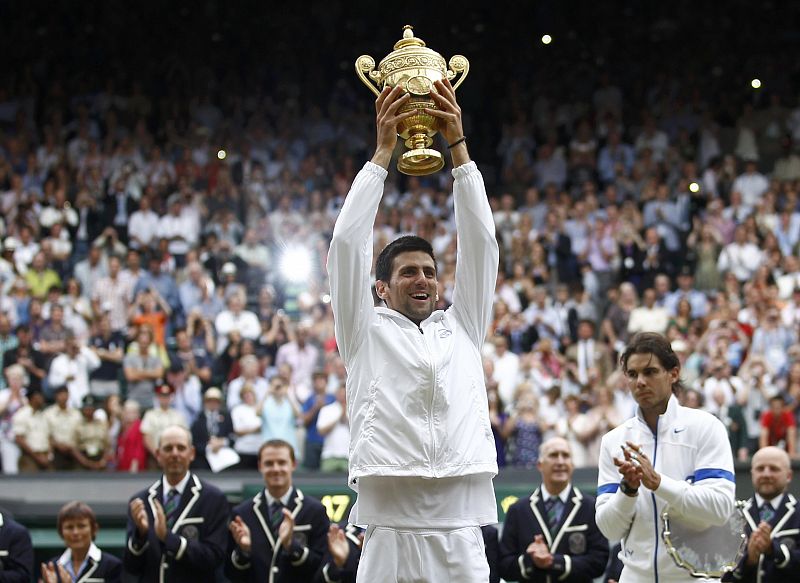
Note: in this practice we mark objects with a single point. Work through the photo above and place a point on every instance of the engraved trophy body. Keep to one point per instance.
(414, 67)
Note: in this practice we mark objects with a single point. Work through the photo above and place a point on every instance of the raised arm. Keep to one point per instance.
(350, 256)
(477, 256)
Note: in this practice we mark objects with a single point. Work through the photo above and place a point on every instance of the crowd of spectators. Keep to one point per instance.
(144, 278)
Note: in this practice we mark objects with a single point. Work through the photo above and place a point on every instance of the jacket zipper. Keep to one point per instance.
(430, 410)
(655, 506)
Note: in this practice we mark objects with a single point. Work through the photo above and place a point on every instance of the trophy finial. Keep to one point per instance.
(408, 40)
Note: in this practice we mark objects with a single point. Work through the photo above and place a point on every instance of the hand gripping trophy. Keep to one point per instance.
(415, 68)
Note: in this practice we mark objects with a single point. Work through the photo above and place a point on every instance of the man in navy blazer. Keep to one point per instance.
(552, 535)
(16, 552)
(773, 522)
(279, 535)
(176, 527)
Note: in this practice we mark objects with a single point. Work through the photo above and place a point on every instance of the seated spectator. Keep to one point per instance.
(213, 428)
(131, 452)
(77, 527)
(32, 434)
(334, 426)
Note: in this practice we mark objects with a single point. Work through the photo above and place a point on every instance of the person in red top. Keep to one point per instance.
(131, 452)
(778, 426)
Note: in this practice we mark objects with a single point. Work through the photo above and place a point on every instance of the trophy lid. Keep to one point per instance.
(408, 40)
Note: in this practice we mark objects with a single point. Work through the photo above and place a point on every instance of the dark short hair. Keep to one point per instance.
(276, 443)
(657, 345)
(75, 511)
(405, 244)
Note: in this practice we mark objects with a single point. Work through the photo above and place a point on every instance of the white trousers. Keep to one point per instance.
(407, 555)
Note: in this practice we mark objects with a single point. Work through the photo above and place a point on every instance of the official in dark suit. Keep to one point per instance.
(176, 527)
(492, 547)
(280, 535)
(340, 563)
(16, 552)
(213, 427)
(773, 523)
(552, 535)
(83, 561)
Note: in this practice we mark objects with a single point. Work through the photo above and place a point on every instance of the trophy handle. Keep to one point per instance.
(366, 64)
(458, 64)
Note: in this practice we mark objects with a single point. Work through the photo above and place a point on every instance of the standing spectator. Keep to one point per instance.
(524, 426)
(588, 360)
(83, 560)
(178, 229)
(62, 421)
(304, 359)
(150, 309)
(29, 358)
(40, 277)
(751, 183)
(281, 534)
(311, 408)
(113, 294)
(72, 368)
(143, 226)
(247, 422)
(92, 443)
(236, 319)
(17, 551)
(778, 426)
(535, 544)
(334, 427)
(648, 317)
(279, 413)
(109, 346)
(506, 368)
(213, 428)
(131, 450)
(90, 270)
(179, 522)
(143, 367)
(12, 399)
(249, 375)
(32, 434)
(160, 417)
(188, 397)
(8, 341)
(741, 257)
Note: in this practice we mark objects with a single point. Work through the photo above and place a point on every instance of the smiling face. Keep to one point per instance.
(78, 533)
(277, 466)
(771, 472)
(412, 288)
(175, 453)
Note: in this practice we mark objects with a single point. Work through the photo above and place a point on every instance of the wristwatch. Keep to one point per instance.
(627, 489)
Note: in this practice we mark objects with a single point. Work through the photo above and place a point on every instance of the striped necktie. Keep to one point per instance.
(767, 512)
(275, 516)
(171, 506)
(553, 506)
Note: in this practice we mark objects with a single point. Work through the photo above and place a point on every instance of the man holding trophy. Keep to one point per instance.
(667, 457)
(422, 455)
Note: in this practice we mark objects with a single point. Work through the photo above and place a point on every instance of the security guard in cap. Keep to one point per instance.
(92, 444)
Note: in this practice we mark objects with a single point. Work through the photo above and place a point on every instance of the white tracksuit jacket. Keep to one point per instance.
(416, 400)
(691, 451)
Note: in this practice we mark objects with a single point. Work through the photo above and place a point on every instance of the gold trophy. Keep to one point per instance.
(415, 68)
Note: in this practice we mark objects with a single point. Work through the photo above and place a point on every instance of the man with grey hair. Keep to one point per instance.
(177, 528)
(552, 533)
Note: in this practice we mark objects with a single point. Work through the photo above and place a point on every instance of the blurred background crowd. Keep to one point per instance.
(169, 179)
